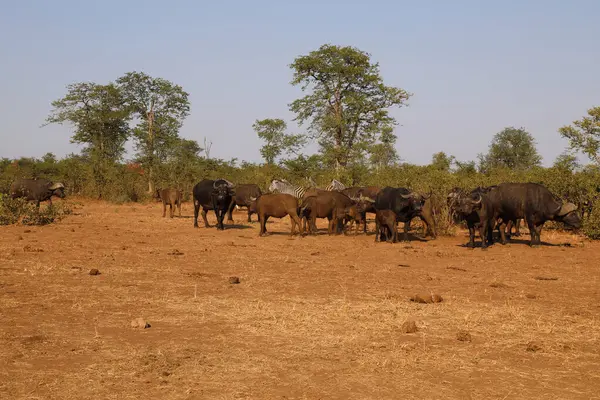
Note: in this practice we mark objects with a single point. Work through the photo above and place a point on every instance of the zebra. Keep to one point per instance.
(283, 186)
(335, 185)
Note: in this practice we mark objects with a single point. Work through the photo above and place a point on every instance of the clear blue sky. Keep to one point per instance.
(474, 67)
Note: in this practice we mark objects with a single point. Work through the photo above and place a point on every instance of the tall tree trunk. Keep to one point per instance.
(150, 154)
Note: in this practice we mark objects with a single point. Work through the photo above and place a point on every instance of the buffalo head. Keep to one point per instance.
(58, 189)
(466, 205)
(223, 188)
(416, 200)
(567, 214)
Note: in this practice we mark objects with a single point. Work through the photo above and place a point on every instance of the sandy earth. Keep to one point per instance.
(312, 318)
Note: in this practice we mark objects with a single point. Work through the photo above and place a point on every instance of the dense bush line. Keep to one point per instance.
(127, 182)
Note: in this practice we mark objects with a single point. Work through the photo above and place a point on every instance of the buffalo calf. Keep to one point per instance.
(385, 226)
(172, 197)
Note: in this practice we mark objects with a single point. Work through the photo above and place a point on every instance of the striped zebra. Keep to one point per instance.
(335, 185)
(283, 186)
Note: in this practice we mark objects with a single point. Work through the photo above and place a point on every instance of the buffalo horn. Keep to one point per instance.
(57, 185)
(479, 199)
(566, 208)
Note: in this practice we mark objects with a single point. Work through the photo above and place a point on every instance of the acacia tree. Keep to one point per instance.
(101, 121)
(584, 134)
(160, 107)
(348, 103)
(272, 131)
(511, 148)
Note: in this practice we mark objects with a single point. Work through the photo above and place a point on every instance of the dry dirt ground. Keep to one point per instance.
(312, 318)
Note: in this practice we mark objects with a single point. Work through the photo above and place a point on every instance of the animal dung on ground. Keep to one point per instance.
(94, 271)
(409, 326)
(234, 280)
(545, 278)
(175, 253)
(533, 346)
(426, 298)
(531, 296)
(463, 336)
(140, 323)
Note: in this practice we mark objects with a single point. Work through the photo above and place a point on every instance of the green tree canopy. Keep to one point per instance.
(347, 105)
(584, 134)
(442, 161)
(101, 121)
(511, 148)
(160, 106)
(272, 131)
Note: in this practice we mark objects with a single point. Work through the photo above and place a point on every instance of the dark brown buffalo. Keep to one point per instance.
(365, 196)
(334, 206)
(529, 201)
(37, 190)
(407, 205)
(386, 226)
(171, 196)
(244, 193)
(276, 205)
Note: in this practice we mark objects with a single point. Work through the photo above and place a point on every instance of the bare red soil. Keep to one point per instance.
(326, 317)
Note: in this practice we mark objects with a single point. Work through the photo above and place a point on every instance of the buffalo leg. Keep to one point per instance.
(295, 222)
(406, 228)
(220, 217)
(538, 234)
(206, 224)
(179, 207)
(377, 230)
(471, 236)
(249, 214)
(263, 224)
(393, 232)
(230, 211)
(364, 217)
(532, 232)
(483, 233)
(196, 211)
(330, 226)
(164, 209)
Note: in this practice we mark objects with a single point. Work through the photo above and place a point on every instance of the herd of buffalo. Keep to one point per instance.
(484, 208)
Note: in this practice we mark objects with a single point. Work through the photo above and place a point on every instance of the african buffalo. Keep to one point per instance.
(171, 196)
(365, 196)
(334, 206)
(243, 194)
(276, 205)
(407, 205)
(474, 208)
(530, 201)
(386, 226)
(37, 190)
(212, 195)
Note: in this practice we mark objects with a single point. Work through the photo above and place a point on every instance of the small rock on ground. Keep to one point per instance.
(409, 326)
(463, 336)
(140, 323)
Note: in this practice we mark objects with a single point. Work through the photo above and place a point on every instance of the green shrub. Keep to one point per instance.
(591, 225)
(14, 210)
